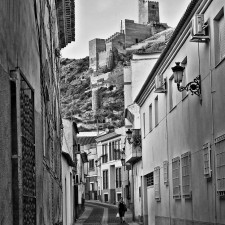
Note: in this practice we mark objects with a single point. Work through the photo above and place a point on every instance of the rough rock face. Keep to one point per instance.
(76, 96)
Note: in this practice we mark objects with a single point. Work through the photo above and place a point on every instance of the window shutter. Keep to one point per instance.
(220, 165)
(207, 160)
(176, 177)
(222, 37)
(157, 183)
(165, 172)
(186, 174)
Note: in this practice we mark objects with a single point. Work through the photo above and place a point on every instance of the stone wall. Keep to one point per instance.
(135, 32)
(102, 59)
(95, 46)
(148, 12)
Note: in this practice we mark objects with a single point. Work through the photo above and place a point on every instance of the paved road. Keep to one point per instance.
(97, 213)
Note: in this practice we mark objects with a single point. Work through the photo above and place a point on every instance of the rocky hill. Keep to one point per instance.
(76, 96)
(75, 85)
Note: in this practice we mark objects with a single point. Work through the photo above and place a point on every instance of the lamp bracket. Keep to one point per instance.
(193, 86)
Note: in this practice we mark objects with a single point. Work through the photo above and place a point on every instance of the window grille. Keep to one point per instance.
(207, 160)
(149, 179)
(176, 177)
(220, 165)
(28, 153)
(157, 183)
(166, 172)
(186, 174)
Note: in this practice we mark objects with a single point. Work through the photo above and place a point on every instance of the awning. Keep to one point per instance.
(68, 159)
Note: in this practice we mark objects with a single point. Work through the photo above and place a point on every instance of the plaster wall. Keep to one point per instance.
(135, 32)
(141, 66)
(186, 127)
(68, 193)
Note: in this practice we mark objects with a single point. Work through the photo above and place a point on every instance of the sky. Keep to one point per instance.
(101, 19)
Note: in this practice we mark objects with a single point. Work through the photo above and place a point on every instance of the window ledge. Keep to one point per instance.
(220, 62)
(172, 109)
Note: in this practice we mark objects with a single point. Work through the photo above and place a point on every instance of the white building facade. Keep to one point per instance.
(183, 134)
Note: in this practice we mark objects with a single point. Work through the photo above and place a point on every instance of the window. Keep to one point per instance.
(106, 198)
(172, 92)
(110, 151)
(92, 187)
(176, 177)
(219, 36)
(91, 164)
(105, 179)
(184, 81)
(220, 165)
(149, 179)
(165, 172)
(157, 183)
(207, 160)
(118, 178)
(144, 123)
(186, 174)
(117, 150)
(156, 111)
(119, 195)
(150, 117)
(104, 154)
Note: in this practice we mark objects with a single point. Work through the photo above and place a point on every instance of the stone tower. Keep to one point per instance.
(148, 11)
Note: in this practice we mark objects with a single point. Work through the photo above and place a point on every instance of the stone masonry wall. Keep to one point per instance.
(135, 32)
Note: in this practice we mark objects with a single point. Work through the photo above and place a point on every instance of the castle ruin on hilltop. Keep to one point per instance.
(102, 51)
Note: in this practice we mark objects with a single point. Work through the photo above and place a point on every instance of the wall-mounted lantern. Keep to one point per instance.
(193, 86)
(123, 157)
(129, 136)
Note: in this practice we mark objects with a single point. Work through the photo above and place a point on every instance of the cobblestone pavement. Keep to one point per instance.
(97, 213)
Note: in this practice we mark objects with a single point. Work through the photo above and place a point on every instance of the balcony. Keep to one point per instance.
(134, 152)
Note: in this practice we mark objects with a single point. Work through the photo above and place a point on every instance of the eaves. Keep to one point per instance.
(182, 25)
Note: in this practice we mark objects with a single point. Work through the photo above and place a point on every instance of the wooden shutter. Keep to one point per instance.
(176, 177)
(186, 174)
(157, 183)
(220, 165)
(207, 160)
(165, 172)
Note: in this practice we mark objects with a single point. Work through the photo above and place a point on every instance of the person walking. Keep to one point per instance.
(122, 209)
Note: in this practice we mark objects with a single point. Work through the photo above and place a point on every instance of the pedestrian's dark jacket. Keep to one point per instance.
(122, 208)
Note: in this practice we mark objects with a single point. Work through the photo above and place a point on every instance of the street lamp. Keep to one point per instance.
(129, 136)
(193, 86)
(123, 157)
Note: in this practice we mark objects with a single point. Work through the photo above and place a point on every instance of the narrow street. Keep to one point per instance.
(97, 213)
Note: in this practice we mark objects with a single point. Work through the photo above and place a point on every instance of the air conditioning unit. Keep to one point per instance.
(199, 28)
(160, 84)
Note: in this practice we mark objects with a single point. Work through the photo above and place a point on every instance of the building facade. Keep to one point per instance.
(69, 171)
(183, 131)
(30, 133)
(111, 173)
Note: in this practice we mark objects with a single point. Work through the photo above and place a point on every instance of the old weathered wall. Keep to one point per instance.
(102, 59)
(95, 46)
(148, 11)
(20, 47)
(135, 32)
